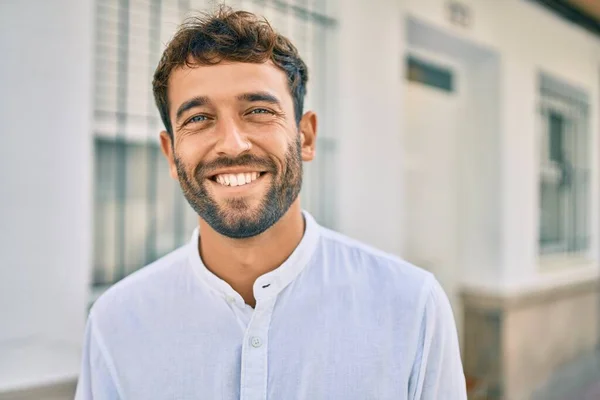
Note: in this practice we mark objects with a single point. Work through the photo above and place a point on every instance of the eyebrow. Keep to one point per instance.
(198, 101)
(259, 96)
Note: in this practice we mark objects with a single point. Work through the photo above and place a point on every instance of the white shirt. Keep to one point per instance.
(337, 320)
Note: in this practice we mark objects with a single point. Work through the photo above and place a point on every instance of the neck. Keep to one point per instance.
(239, 262)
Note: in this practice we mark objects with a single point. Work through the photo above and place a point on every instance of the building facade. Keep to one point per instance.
(460, 135)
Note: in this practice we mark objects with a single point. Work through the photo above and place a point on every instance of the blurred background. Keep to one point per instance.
(461, 135)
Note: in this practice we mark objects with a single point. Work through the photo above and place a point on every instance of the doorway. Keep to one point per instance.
(451, 159)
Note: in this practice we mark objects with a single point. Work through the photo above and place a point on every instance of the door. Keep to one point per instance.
(434, 115)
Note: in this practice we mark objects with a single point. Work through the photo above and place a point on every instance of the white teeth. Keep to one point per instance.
(237, 179)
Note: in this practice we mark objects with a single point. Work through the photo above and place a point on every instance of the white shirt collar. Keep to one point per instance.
(271, 283)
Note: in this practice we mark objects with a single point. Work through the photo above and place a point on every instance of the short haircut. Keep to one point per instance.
(234, 36)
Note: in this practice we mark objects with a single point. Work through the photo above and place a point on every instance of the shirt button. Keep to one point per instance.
(256, 342)
(230, 299)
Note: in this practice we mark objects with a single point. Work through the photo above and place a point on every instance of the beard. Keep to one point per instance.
(235, 218)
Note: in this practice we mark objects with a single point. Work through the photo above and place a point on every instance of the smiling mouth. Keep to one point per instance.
(239, 179)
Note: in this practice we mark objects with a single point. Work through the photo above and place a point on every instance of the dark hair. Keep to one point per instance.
(228, 35)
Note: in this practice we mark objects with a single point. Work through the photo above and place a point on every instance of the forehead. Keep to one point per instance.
(225, 81)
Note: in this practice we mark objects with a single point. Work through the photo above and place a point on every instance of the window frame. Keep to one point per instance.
(572, 104)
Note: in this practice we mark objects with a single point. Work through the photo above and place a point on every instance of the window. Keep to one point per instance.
(564, 168)
(140, 213)
(428, 74)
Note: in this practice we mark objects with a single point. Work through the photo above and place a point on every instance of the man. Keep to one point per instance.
(263, 303)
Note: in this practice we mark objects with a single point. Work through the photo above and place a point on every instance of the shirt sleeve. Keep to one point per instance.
(96, 378)
(438, 372)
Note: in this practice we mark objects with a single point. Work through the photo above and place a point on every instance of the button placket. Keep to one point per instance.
(253, 385)
(265, 288)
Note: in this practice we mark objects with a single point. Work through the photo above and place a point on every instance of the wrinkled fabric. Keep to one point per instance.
(337, 320)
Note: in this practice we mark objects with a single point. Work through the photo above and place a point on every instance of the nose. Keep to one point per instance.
(232, 142)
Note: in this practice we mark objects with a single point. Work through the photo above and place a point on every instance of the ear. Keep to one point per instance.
(308, 135)
(166, 145)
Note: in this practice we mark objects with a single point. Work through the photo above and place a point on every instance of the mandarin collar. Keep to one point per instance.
(266, 285)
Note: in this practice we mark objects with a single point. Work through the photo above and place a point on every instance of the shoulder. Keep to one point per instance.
(375, 269)
(142, 287)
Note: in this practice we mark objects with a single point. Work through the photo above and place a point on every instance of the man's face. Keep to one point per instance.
(237, 150)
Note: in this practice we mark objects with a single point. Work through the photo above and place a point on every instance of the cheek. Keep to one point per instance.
(277, 147)
(190, 154)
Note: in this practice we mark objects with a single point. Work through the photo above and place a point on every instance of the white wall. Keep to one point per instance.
(559, 48)
(480, 169)
(45, 176)
(571, 55)
(368, 83)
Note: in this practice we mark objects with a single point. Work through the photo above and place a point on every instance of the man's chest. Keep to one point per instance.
(301, 369)
(317, 356)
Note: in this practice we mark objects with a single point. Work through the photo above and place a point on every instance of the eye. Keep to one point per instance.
(261, 111)
(197, 118)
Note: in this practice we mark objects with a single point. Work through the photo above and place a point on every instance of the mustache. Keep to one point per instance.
(245, 160)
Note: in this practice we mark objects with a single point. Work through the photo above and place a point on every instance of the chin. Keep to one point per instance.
(235, 209)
